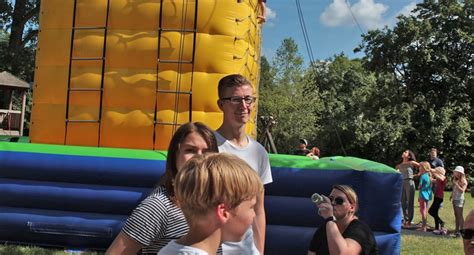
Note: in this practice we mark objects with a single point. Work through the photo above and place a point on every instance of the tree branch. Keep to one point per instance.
(29, 36)
(30, 14)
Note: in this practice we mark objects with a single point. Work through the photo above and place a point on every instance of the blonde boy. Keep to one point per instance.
(217, 194)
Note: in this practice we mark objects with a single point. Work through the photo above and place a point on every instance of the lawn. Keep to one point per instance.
(412, 241)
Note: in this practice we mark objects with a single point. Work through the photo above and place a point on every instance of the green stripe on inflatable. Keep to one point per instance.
(333, 163)
(276, 160)
(82, 151)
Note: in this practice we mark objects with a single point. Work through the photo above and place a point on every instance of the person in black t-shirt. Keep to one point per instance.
(342, 232)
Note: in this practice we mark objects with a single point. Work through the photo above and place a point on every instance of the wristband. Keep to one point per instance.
(330, 218)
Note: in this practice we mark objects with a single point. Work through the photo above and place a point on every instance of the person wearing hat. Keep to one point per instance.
(302, 150)
(440, 182)
(457, 196)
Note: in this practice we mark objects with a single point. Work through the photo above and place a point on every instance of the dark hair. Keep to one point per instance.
(411, 156)
(231, 81)
(197, 127)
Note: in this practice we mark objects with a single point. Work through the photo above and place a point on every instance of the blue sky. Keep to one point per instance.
(330, 24)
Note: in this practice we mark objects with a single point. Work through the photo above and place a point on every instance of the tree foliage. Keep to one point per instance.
(412, 90)
(19, 23)
(283, 98)
(430, 55)
(18, 41)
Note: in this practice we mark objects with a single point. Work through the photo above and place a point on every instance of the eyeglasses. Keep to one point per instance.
(238, 100)
(467, 233)
(337, 200)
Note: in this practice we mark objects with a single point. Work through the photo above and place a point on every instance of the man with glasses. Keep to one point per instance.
(237, 101)
(467, 234)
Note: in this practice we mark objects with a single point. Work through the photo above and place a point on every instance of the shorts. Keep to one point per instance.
(458, 203)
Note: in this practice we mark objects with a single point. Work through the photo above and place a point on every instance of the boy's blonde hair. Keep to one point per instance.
(211, 179)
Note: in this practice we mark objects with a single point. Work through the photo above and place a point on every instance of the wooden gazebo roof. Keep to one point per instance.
(9, 80)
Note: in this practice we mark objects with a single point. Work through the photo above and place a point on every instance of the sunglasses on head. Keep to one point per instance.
(337, 200)
(467, 233)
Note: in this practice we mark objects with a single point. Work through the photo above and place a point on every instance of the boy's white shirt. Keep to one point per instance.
(174, 248)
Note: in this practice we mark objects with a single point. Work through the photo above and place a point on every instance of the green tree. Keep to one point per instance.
(429, 55)
(19, 20)
(357, 117)
(18, 41)
(282, 97)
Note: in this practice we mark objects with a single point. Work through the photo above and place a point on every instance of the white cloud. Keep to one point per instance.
(270, 17)
(271, 14)
(368, 14)
(336, 14)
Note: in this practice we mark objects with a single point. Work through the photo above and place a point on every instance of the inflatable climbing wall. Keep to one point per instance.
(121, 73)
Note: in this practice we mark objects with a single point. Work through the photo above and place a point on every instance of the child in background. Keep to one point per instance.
(314, 154)
(459, 187)
(217, 194)
(440, 182)
(425, 192)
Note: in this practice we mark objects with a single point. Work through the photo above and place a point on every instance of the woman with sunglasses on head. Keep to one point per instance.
(342, 232)
(407, 168)
(157, 219)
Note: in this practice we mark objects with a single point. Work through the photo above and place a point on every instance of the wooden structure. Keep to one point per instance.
(11, 121)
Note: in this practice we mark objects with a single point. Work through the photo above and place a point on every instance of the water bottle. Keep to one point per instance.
(316, 198)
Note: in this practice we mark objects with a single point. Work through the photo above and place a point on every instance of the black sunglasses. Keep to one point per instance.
(467, 233)
(337, 200)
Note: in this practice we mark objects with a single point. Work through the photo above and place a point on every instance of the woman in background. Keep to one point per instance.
(406, 168)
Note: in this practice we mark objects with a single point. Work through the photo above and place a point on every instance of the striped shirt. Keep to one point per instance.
(155, 222)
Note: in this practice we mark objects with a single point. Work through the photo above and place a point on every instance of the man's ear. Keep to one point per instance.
(220, 104)
(223, 213)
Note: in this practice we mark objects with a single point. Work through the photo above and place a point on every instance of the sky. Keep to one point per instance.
(331, 25)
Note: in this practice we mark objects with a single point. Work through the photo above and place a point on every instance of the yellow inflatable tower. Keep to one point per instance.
(127, 73)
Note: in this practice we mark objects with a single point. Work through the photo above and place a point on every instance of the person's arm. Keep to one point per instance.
(263, 12)
(422, 181)
(123, 244)
(259, 224)
(415, 164)
(463, 185)
(311, 253)
(338, 244)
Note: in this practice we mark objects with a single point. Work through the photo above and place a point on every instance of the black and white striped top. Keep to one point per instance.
(155, 222)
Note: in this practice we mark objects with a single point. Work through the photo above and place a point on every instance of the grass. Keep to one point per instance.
(412, 241)
(32, 250)
(431, 244)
